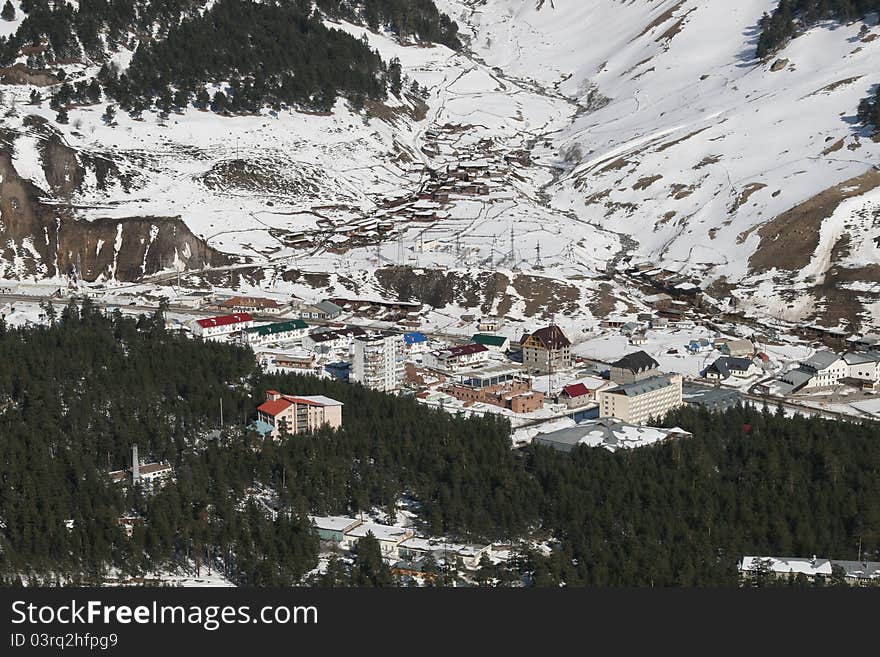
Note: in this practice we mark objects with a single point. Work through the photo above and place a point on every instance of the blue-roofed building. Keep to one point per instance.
(339, 370)
(261, 427)
(415, 342)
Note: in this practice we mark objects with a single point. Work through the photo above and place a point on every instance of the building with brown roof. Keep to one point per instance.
(546, 349)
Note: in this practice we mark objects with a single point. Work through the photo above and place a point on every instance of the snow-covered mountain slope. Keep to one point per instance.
(604, 129)
(701, 150)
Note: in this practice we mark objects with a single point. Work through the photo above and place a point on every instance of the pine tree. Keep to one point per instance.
(8, 12)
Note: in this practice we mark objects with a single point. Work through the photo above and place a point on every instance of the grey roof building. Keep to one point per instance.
(610, 433)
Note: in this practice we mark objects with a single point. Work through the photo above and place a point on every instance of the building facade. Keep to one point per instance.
(642, 400)
(214, 327)
(634, 367)
(546, 350)
(251, 305)
(378, 361)
(456, 358)
(295, 329)
(287, 414)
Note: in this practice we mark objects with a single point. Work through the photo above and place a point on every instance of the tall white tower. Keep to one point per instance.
(135, 465)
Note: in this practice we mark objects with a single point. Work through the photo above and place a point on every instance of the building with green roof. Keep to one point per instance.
(494, 342)
(293, 329)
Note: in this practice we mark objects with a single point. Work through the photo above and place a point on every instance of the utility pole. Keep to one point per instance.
(538, 255)
(512, 251)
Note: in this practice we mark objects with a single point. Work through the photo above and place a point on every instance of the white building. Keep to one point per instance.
(825, 369)
(289, 331)
(378, 361)
(214, 327)
(456, 358)
(864, 367)
(389, 537)
(323, 341)
(638, 402)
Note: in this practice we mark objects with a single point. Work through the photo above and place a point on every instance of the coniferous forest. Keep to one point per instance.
(793, 16)
(75, 395)
(263, 53)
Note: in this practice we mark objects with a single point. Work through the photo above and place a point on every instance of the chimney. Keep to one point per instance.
(273, 395)
(135, 465)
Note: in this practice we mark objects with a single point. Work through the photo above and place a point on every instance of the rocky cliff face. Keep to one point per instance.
(40, 234)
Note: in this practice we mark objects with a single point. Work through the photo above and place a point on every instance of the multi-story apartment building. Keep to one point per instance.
(213, 327)
(634, 367)
(295, 329)
(642, 400)
(287, 414)
(378, 361)
(251, 305)
(546, 350)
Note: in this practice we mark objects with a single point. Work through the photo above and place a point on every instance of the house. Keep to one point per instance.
(630, 327)
(642, 400)
(737, 348)
(489, 324)
(863, 369)
(634, 367)
(325, 340)
(576, 395)
(152, 473)
(493, 342)
(455, 358)
(415, 343)
(546, 349)
(296, 360)
(389, 537)
(825, 369)
(608, 433)
(378, 361)
(638, 339)
(324, 310)
(294, 329)
(251, 305)
(214, 327)
(699, 346)
(726, 366)
(128, 523)
(333, 528)
(286, 414)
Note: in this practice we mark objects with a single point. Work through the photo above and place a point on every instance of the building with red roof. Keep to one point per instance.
(290, 414)
(212, 327)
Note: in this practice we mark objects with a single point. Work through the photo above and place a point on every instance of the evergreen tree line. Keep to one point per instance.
(869, 110)
(270, 53)
(75, 395)
(793, 16)
(749, 482)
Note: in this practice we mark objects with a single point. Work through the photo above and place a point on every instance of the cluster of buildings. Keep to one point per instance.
(642, 392)
(857, 573)
(827, 369)
(148, 474)
(399, 546)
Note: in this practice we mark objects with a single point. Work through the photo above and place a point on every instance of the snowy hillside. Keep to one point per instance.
(700, 147)
(602, 129)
